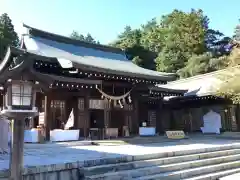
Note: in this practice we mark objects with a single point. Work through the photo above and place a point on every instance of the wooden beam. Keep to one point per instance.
(135, 120)
(107, 116)
(16, 158)
(47, 123)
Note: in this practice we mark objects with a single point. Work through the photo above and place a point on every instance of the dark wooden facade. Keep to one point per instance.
(60, 102)
(187, 113)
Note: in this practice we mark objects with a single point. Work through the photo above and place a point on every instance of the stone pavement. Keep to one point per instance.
(59, 153)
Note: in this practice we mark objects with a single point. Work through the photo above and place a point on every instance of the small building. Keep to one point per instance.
(187, 112)
(94, 86)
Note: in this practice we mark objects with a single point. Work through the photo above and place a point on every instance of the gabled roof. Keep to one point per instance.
(87, 56)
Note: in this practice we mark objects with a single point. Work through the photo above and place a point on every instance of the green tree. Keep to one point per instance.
(201, 64)
(8, 37)
(142, 57)
(191, 47)
(184, 36)
(128, 38)
(152, 36)
(88, 38)
(230, 86)
(179, 41)
(77, 36)
(130, 41)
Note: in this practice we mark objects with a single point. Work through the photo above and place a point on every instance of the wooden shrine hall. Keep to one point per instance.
(87, 87)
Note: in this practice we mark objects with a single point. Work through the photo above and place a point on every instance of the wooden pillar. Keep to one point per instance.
(2, 100)
(159, 126)
(128, 108)
(81, 115)
(107, 114)
(232, 112)
(16, 158)
(228, 118)
(86, 115)
(47, 120)
(238, 116)
(128, 114)
(75, 111)
(135, 120)
(107, 117)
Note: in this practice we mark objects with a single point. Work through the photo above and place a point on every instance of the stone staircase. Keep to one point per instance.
(198, 164)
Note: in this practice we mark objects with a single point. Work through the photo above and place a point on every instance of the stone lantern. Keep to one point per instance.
(19, 100)
(19, 104)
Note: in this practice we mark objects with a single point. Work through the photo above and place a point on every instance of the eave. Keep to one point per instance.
(25, 69)
(155, 90)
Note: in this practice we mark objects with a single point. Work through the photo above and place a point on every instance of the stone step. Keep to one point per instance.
(169, 153)
(188, 173)
(217, 175)
(235, 175)
(156, 169)
(155, 162)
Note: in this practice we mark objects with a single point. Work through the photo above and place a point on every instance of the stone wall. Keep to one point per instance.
(66, 171)
(52, 172)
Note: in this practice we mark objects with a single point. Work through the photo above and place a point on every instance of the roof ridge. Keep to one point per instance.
(64, 39)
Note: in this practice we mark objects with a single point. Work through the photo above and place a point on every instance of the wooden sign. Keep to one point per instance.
(175, 134)
(96, 104)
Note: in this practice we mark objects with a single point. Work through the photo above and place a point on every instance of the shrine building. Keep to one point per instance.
(96, 85)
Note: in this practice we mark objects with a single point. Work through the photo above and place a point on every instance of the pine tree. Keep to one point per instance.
(8, 36)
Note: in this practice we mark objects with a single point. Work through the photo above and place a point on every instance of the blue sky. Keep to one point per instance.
(105, 19)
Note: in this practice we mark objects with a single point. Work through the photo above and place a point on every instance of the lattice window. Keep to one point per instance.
(81, 104)
(130, 107)
(58, 111)
(21, 94)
